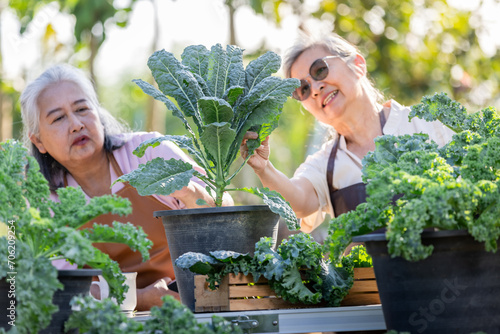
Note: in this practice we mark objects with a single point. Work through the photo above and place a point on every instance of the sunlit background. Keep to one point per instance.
(412, 47)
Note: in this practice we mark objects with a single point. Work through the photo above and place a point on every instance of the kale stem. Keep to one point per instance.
(238, 170)
(208, 181)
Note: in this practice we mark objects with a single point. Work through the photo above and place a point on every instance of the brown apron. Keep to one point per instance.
(160, 264)
(346, 199)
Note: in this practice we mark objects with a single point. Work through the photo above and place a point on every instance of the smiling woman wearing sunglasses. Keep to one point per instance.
(336, 90)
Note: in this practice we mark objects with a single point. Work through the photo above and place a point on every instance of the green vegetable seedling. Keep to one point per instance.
(218, 101)
(38, 230)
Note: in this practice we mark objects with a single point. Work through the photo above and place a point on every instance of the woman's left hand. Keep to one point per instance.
(151, 295)
(194, 191)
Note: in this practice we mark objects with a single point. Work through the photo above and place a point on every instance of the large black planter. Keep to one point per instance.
(455, 290)
(235, 228)
(75, 282)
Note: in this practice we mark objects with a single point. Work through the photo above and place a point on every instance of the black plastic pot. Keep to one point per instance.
(235, 228)
(455, 290)
(75, 282)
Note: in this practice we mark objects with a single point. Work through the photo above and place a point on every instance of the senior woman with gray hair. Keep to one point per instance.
(78, 143)
(336, 90)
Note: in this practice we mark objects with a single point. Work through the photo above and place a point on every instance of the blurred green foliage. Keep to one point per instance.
(413, 48)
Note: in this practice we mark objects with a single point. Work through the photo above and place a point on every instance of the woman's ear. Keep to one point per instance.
(360, 65)
(38, 143)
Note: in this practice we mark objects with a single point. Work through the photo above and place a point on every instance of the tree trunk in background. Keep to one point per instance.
(232, 31)
(155, 118)
(94, 49)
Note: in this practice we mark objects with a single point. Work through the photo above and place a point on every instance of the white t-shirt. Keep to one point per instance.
(348, 166)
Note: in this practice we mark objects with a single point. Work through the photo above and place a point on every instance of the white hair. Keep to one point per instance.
(53, 75)
(30, 112)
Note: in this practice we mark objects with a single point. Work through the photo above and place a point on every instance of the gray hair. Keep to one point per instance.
(337, 46)
(31, 115)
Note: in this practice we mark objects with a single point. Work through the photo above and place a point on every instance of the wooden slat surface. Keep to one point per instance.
(364, 286)
(236, 291)
(354, 299)
(259, 304)
(207, 300)
(242, 279)
(364, 273)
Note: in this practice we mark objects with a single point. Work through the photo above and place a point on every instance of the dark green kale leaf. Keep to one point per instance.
(360, 258)
(364, 219)
(414, 185)
(32, 315)
(486, 227)
(270, 262)
(175, 318)
(96, 317)
(456, 149)
(234, 262)
(47, 230)
(212, 90)
(197, 263)
(482, 161)
(296, 271)
(337, 280)
(73, 210)
(299, 252)
(441, 107)
(277, 204)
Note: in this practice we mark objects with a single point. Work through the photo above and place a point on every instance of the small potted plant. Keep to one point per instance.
(433, 281)
(218, 101)
(37, 230)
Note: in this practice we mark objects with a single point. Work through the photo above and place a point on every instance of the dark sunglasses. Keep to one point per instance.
(318, 71)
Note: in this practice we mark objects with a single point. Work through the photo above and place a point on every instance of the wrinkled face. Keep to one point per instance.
(70, 128)
(329, 97)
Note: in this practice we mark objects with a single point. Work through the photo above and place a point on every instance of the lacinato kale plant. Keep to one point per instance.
(412, 184)
(218, 101)
(39, 230)
(298, 271)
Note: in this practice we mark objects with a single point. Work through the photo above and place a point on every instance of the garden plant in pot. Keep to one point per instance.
(36, 230)
(433, 281)
(217, 100)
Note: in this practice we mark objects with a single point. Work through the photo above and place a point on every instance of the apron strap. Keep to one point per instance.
(331, 165)
(353, 194)
(114, 164)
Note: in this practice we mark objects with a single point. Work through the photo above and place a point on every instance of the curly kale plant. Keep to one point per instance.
(38, 230)
(170, 318)
(297, 271)
(218, 101)
(412, 184)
